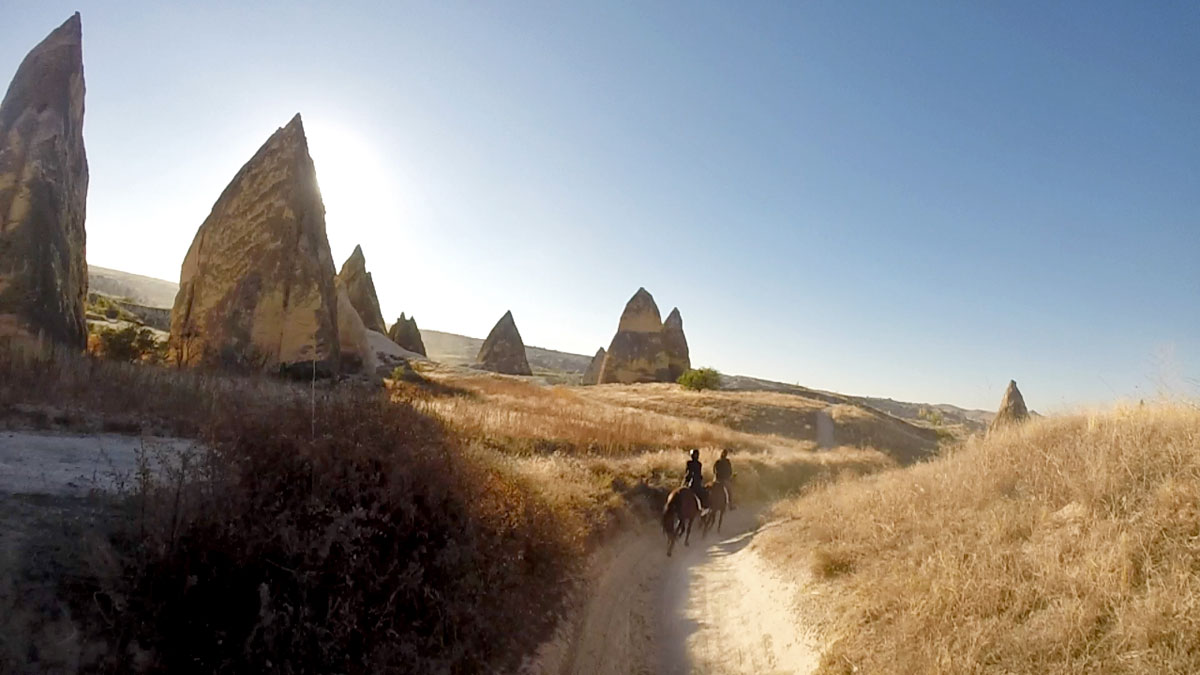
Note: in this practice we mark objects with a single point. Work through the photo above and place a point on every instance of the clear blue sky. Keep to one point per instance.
(910, 199)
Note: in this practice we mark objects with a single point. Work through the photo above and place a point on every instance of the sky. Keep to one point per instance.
(916, 200)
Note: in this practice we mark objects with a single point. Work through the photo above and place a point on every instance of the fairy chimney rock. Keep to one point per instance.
(1012, 408)
(638, 352)
(360, 288)
(679, 362)
(355, 354)
(592, 374)
(43, 195)
(406, 334)
(257, 290)
(503, 351)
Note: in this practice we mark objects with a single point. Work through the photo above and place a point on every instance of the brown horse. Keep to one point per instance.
(718, 502)
(682, 508)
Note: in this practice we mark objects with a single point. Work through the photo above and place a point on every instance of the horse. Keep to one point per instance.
(683, 505)
(718, 502)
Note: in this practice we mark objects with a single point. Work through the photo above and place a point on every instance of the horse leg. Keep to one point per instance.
(688, 538)
(720, 520)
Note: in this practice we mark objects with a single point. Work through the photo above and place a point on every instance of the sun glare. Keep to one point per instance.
(353, 180)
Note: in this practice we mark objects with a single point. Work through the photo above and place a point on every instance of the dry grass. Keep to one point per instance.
(1065, 545)
(523, 418)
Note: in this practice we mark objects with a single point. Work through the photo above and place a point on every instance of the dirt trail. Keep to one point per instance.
(714, 607)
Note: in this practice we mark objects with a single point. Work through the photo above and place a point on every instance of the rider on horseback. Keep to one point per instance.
(694, 478)
(724, 473)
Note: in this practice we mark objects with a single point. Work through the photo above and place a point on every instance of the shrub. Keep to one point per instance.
(699, 379)
(130, 344)
(375, 544)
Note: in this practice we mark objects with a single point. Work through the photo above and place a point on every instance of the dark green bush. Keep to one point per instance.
(699, 379)
(130, 344)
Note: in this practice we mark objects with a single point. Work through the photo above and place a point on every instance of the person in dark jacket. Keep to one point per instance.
(724, 472)
(693, 477)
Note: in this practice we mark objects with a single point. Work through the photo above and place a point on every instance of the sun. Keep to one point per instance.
(353, 179)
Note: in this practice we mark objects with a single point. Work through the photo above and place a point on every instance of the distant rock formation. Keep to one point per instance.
(503, 351)
(639, 352)
(43, 195)
(679, 362)
(1012, 408)
(361, 290)
(406, 334)
(592, 374)
(257, 290)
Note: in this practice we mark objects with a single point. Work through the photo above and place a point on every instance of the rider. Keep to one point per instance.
(724, 472)
(694, 478)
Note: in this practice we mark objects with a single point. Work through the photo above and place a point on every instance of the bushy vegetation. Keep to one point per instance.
(699, 379)
(1064, 545)
(377, 545)
(130, 344)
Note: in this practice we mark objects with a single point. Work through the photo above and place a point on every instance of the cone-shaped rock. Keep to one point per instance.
(1012, 408)
(406, 334)
(361, 289)
(592, 374)
(257, 286)
(356, 352)
(679, 362)
(43, 195)
(503, 351)
(638, 352)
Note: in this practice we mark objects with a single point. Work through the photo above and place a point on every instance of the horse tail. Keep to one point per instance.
(668, 517)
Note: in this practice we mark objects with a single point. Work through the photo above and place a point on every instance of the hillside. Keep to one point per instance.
(461, 350)
(1065, 545)
(142, 290)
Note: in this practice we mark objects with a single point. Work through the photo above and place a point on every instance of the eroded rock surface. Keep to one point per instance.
(1012, 408)
(406, 334)
(361, 289)
(43, 195)
(503, 351)
(678, 359)
(638, 352)
(256, 291)
(592, 374)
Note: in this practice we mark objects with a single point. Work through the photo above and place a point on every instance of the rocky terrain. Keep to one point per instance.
(503, 351)
(1012, 408)
(641, 350)
(257, 285)
(360, 289)
(43, 195)
(406, 334)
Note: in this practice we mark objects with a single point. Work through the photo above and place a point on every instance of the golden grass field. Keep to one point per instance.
(1066, 545)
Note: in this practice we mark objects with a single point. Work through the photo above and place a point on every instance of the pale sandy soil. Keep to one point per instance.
(74, 464)
(712, 608)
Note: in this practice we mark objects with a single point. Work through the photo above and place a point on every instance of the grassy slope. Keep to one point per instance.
(1066, 545)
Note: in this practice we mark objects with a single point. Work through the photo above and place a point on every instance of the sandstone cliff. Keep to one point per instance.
(678, 360)
(360, 288)
(43, 195)
(1012, 408)
(406, 334)
(256, 290)
(592, 374)
(503, 351)
(638, 352)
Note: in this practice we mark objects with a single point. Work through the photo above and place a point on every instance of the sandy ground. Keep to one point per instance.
(71, 465)
(712, 608)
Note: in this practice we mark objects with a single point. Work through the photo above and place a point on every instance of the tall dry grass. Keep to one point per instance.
(523, 418)
(1066, 545)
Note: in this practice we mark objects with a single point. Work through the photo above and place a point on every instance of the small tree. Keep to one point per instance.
(699, 379)
(130, 344)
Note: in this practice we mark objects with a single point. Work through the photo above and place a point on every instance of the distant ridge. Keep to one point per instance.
(143, 290)
(461, 350)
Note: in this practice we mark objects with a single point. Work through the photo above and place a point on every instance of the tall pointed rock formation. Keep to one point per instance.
(638, 351)
(257, 290)
(678, 360)
(361, 290)
(503, 351)
(43, 195)
(1012, 408)
(406, 334)
(592, 374)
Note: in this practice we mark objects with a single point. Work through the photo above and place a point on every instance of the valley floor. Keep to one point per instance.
(714, 607)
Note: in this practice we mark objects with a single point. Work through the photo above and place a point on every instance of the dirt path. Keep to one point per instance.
(712, 608)
(63, 464)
